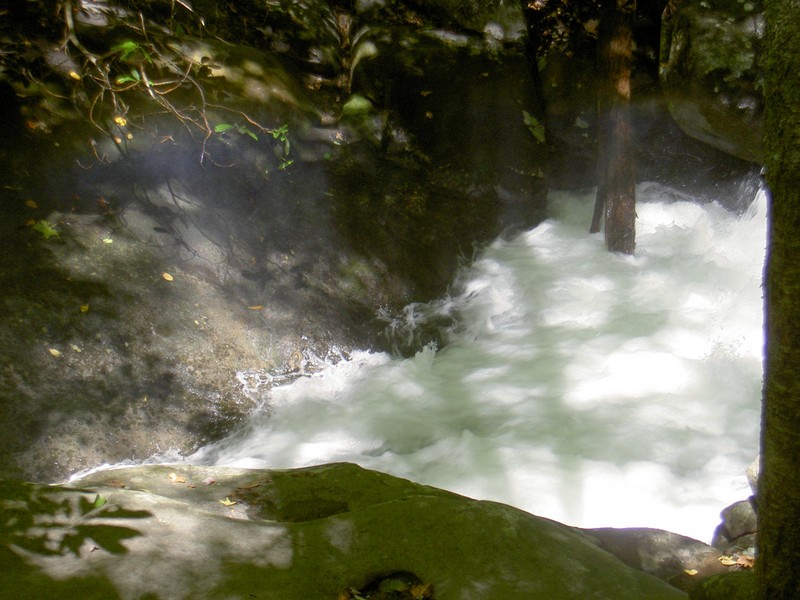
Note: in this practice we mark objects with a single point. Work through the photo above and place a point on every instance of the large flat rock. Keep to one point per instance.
(178, 532)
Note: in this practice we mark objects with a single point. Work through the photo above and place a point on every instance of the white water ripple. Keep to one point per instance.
(595, 389)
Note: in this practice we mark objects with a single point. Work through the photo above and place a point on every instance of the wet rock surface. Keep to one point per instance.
(680, 561)
(156, 284)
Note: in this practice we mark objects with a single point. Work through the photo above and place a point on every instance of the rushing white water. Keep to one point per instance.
(591, 388)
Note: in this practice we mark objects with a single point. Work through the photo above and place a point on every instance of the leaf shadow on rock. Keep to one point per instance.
(40, 524)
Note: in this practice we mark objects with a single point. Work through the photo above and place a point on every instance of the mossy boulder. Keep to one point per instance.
(209, 532)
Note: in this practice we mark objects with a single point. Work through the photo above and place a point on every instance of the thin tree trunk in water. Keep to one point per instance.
(616, 191)
(778, 559)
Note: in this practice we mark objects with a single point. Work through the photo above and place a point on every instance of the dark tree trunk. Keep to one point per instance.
(778, 560)
(616, 193)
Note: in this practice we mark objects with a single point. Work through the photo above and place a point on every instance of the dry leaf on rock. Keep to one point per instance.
(746, 561)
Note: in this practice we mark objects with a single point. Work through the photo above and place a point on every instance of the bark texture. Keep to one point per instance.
(779, 486)
(616, 193)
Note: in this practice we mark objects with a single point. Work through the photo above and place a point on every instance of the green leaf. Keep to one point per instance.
(129, 47)
(280, 133)
(100, 501)
(223, 127)
(134, 77)
(125, 49)
(45, 228)
(534, 126)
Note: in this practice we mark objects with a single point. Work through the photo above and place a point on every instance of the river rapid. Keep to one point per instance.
(595, 389)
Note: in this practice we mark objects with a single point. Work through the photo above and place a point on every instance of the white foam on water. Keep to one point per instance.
(595, 389)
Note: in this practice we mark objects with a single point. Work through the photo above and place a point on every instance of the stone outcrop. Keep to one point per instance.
(381, 168)
(180, 532)
(710, 73)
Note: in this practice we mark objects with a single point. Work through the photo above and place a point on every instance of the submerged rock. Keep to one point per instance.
(207, 532)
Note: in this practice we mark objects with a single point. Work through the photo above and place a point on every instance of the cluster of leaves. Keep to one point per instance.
(560, 26)
(46, 229)
(116, 83)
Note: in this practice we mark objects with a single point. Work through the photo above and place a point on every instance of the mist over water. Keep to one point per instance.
(591, 388)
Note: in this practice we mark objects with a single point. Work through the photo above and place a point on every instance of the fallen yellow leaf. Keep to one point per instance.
(256, 307)
(228, 502)
(175, 478)
(167, 276)
(75, 75)
(31, 204)
(726, 561)
(120, 120)
(690, 571)
(54, 352)
(84, 308)
(108, 241)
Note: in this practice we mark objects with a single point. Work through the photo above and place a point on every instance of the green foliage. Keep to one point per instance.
(128, 49)
(134, 77)
(46, 229)
(281, 135)
(534, 126)
(241, 129)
